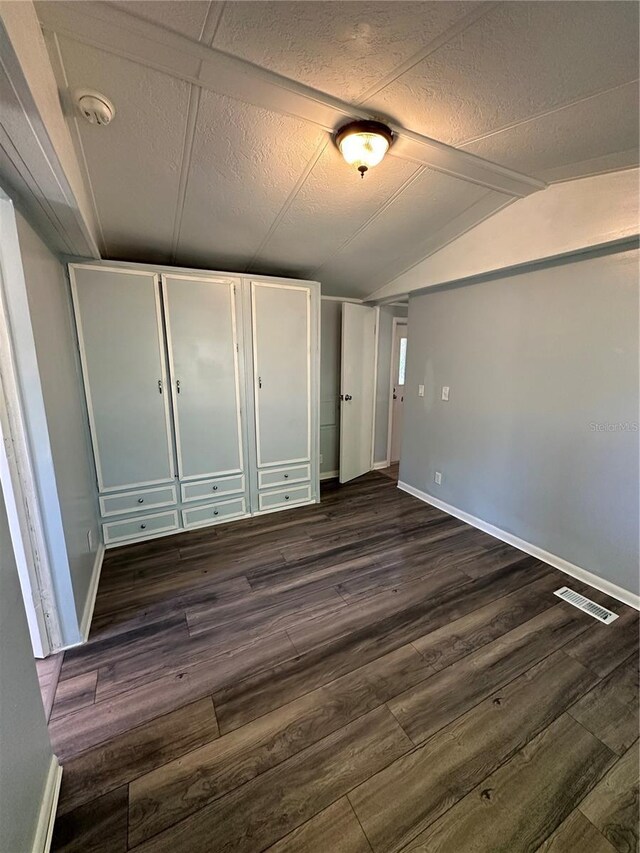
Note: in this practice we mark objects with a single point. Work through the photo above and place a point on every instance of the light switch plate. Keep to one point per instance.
(438, 478)
(445, 392)
(420, 390)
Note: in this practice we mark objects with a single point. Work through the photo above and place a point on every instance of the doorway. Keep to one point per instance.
(397, 389)
(18, 475)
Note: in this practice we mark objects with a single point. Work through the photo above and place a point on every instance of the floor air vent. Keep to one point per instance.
(586, 604)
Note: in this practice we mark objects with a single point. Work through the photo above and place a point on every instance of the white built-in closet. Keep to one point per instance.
(202, 393)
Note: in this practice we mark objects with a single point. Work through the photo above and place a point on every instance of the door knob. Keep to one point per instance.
(348, 397)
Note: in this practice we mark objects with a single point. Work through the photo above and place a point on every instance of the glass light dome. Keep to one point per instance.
(363, 144)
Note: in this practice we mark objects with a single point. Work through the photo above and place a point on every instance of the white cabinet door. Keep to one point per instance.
(120, 331)
(281, 321)
(357, 390)
(202, 334)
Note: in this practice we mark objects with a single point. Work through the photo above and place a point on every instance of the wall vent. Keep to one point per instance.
(590, 607)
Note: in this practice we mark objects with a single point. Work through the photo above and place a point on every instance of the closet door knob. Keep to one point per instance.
(286, 476)
(286, 497)
(143, 527)
(215, 512)
(140, 500)
(215, 488)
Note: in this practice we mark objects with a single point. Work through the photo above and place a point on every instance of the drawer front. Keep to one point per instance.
(141, 527)
(284, 476)
(137, 501)
(284, 497)
(213, 513)
(207, 489)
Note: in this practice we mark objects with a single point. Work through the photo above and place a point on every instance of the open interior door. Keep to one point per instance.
(357, 384)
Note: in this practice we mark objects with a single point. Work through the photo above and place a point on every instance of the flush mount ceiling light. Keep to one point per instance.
(363, 144)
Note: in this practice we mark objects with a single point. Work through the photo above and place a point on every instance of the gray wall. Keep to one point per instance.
(25, 752)
(51, 315)
(534, 362)
(330, 347)
(385, 344)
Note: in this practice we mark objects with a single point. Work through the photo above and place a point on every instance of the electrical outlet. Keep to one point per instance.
(420, 390)
(438, 478)
(445, 392)
(90, 539)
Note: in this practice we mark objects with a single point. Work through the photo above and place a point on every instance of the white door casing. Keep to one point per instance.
(357, 390)
(281, 330)
(27, 538)
(119, 321)
(201, 319)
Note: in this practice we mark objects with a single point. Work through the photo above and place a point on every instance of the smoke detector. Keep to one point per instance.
(95, 107)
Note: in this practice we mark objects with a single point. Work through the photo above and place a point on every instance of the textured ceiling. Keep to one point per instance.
(228, 164)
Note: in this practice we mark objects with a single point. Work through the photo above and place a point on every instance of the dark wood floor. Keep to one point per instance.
(364, 674)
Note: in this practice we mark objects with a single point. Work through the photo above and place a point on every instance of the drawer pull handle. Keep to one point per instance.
(215, 488)
(215, 512)
(143, 527)
(286, 497)
(140, 500)
(286, 476)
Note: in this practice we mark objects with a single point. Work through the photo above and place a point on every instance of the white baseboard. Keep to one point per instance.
(378, 465)
(48, 806)
(85, 625)
(560, 563)
(329, 475)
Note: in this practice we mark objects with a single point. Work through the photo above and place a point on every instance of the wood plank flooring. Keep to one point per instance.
(366, 675)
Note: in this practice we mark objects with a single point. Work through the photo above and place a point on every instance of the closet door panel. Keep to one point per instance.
(120, 329)
(202, 333)
(281, 317)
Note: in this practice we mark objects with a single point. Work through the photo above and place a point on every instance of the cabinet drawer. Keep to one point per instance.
(284, 497)
(213, 513)
(137, 501)
(284, 476)
(217, 488)
(141, 527)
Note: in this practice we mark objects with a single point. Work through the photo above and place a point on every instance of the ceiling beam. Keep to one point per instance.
(111, 29)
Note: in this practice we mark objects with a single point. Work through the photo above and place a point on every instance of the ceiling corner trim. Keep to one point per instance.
(38, 165)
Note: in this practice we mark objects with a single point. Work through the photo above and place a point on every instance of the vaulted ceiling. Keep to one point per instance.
(221, 155)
